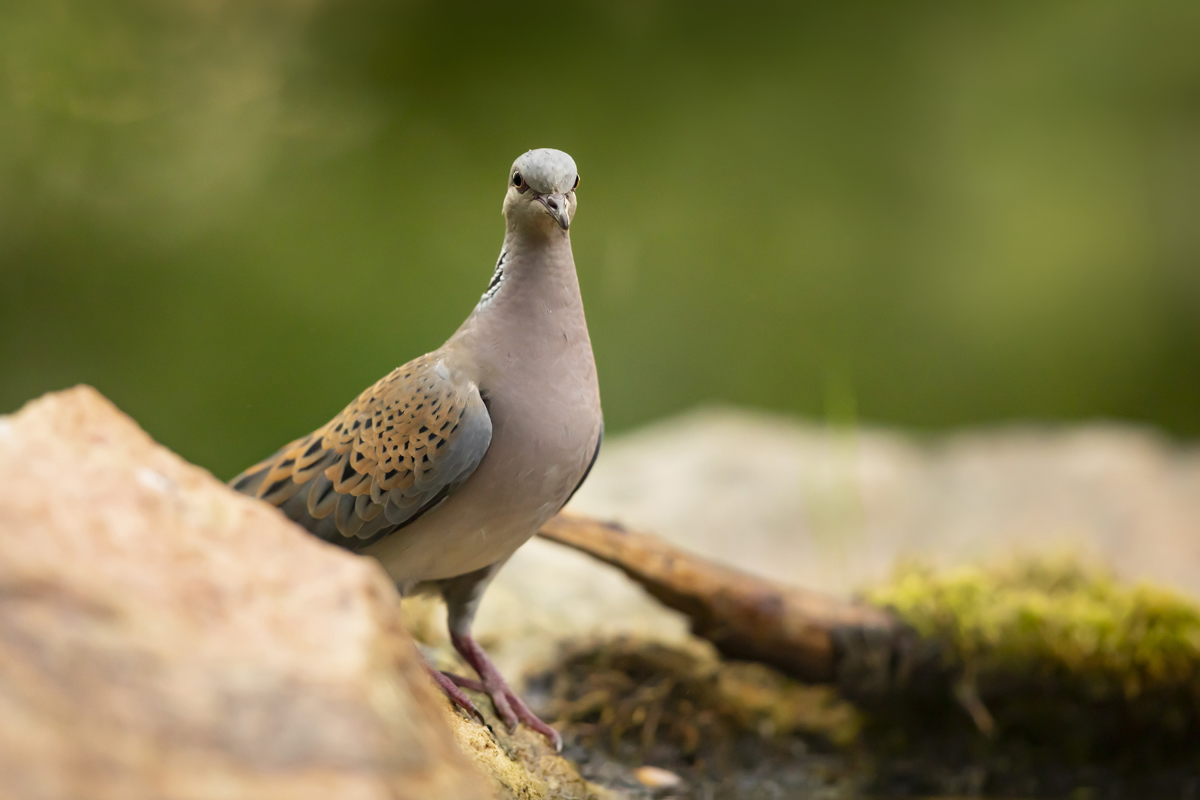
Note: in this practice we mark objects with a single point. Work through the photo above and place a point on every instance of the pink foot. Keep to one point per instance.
(447, 682)
(509, 707)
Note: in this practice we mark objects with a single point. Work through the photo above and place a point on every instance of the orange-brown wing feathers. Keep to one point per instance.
(402, 445)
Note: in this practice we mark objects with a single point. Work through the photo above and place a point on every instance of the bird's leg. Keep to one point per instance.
(509, 707)
(462, 595)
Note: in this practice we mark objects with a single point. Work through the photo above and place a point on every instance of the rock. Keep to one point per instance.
(836, 509)
(657, 778)
(161, 636)
(520, 765)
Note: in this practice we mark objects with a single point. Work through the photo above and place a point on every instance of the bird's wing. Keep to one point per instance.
(398, 450)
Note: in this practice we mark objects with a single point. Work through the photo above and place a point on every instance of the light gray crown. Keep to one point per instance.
(546, 171)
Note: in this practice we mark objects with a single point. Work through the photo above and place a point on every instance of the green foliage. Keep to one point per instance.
(231, 217)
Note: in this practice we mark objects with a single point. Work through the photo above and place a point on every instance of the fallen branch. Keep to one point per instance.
(862, 648)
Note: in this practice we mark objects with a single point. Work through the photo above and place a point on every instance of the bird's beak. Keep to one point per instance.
(558, 207)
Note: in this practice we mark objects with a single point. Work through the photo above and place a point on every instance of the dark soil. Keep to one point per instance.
(735, 731)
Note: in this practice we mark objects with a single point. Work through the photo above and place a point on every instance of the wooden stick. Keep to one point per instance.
(805, 634)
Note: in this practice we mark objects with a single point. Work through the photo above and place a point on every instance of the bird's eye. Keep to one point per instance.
(576, 186)
(518, 181)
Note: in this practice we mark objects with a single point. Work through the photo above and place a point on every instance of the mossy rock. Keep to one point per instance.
(1057, 655)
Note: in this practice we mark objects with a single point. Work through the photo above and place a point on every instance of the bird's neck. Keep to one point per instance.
(532, 304)
(533, 271)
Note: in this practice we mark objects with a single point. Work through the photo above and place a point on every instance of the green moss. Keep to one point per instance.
(1055, 655)
(1054, 617)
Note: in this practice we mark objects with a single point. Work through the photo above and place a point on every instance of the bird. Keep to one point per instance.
(449, 463)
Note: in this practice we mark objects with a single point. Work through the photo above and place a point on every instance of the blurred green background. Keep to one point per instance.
(230, 217)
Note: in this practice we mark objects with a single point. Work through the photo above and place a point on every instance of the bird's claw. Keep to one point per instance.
(509, 707)
(447, 683)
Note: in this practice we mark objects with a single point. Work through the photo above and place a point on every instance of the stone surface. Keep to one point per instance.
(832, 510)
(520, 765)
(835, 510)
(163, 637)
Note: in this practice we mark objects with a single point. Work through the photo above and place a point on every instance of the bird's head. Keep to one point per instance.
(541, 191)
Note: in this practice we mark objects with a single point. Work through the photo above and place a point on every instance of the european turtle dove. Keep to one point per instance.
(447, 465)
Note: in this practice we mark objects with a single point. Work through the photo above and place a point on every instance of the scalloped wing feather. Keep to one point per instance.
(400, 448)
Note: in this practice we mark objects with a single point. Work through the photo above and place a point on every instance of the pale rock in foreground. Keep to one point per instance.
(162, 637)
